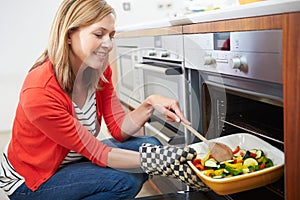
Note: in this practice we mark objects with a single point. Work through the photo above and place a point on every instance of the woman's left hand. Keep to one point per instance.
(171, 161)
(169, 107)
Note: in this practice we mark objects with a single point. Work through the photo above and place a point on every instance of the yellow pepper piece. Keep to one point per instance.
(234, 166)
(260, 159)
(206, 158)
(219, 172)
(239, 158)
(209, 172)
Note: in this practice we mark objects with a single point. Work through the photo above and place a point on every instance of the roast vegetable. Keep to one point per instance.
(211, 164)
(243, 161)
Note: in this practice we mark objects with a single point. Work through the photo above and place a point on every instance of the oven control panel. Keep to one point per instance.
(168, 48)
(252, 54)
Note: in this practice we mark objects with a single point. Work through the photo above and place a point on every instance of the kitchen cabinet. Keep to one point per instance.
(289, 24)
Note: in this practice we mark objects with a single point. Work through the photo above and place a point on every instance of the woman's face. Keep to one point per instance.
(90, 45)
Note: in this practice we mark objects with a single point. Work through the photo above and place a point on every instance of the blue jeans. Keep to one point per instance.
(87, 181)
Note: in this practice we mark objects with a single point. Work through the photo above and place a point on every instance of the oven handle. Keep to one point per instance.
(158, 69)
(275, 100)
(156, 131)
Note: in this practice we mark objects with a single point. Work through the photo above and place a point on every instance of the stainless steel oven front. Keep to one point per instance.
(164, 74)
(240, 90)
(167, 79)
(130, 79)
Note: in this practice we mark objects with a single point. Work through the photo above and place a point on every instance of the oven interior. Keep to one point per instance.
(229, 111)
(242, 113)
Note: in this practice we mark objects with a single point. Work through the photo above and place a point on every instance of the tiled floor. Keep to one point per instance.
(147, 189)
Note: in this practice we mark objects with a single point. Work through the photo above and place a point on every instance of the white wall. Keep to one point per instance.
(24, 31)
(143, 11)
(24, 27)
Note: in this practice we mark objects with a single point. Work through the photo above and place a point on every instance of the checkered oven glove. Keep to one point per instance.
(171, 162)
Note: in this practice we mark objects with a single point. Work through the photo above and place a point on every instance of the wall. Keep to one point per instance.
(23, 36)
(143, 11)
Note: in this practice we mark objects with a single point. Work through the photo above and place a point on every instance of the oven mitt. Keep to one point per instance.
(171, 162)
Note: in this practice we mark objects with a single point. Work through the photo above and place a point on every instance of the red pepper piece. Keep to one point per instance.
(200, 166)
(237, 149)
(196, 161)
(253, 155)
(263, 165)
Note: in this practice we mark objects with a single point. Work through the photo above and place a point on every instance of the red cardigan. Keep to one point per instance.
(45, 127)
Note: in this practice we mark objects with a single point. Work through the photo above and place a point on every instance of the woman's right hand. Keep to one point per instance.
(135, 119)
(167, 106)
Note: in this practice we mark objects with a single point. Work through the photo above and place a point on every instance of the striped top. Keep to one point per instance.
(10, 180)
(87, 117)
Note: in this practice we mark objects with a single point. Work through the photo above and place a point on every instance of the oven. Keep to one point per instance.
(163, 73)
(239, 90)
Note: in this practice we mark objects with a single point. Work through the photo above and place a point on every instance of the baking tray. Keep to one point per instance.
(248, 181)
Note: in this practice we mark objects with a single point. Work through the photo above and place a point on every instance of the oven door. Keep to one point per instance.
(166, 79)
(169, 81)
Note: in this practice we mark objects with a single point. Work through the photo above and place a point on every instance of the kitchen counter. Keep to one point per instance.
(262, 8)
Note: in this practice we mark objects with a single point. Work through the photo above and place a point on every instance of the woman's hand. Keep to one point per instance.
(170, 161)
(169, 107)
(135, 119)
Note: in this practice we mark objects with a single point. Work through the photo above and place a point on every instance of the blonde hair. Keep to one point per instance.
(71, 15)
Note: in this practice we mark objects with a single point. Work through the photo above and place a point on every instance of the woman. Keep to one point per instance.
(54, 152)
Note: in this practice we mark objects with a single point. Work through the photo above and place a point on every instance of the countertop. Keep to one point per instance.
(261, 8)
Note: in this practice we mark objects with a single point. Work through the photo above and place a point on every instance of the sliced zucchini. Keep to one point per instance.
(250, 162)
(205, 158)
(212, 159)
(247, 155)
(253, 151)
(259, 153)
(218, 177)
(229, 161)
(211, 164)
